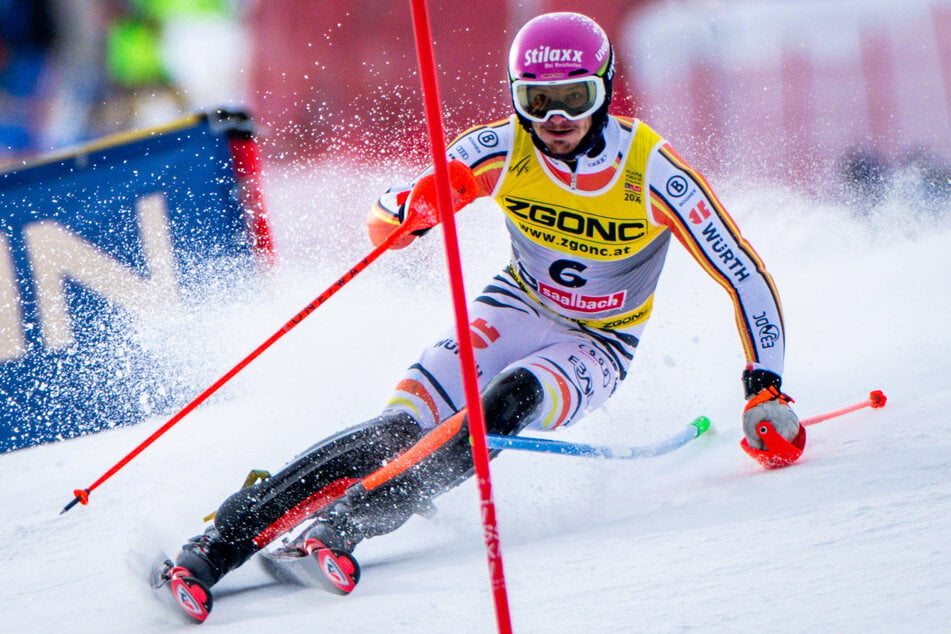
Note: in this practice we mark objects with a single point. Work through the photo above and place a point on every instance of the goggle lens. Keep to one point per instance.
(577, 99)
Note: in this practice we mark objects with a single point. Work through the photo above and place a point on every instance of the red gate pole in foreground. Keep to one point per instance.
(480, 453)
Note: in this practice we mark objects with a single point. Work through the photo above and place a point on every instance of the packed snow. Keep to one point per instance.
(852, 538)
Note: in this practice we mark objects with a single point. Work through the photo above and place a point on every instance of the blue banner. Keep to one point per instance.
(92, 240)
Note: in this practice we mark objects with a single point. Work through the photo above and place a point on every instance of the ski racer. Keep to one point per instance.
(590, 201)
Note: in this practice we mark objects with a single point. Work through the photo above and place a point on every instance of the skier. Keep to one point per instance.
(591, 201)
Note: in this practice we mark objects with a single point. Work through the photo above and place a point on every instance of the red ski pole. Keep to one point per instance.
(412, 223)
(875, 399)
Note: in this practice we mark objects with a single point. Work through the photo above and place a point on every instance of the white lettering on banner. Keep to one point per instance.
(57, 254)
(12, 340)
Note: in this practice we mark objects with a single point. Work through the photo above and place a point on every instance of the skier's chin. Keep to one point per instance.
(561, 139)
(561, 147)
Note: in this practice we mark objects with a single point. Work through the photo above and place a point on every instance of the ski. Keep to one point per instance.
(311, 563)
(307, 563)
(191, 596)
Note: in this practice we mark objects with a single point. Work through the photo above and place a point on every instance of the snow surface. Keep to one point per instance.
(854, 538)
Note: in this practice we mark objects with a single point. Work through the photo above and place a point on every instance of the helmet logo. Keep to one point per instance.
(544, 54)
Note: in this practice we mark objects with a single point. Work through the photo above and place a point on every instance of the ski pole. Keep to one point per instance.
(695, 429)
(412, 223)
(780, 452)
(875, 399)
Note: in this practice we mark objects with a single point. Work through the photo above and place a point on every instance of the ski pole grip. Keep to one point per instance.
(422, 208)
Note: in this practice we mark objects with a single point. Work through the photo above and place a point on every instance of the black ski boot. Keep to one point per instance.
(208, 557)
(335, 532)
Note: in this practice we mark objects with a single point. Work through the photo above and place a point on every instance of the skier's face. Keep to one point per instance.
(561, 135)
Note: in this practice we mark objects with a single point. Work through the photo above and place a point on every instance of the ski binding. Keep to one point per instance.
(313, 564)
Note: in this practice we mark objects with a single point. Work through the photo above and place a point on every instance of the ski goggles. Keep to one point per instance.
(573, 99)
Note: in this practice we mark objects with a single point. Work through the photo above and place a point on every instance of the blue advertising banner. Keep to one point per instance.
(94, 238)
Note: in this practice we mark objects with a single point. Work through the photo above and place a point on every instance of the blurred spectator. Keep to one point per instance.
(169, 57)
(141, 92)
(71, 70)
(917, 177)
(206, 49)
(865, 175)
(927, 177)
(78, 73)
(26, 37)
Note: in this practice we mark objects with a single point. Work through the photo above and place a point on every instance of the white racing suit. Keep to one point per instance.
(588, 246)
(554, 333)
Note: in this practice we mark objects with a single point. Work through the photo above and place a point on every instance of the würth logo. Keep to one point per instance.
(699, 213)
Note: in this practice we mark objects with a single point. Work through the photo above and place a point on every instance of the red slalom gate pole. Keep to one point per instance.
(82, 495)
(480, 453)
(875, 399)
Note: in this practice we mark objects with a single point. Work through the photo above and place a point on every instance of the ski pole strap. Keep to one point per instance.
(543, 445)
